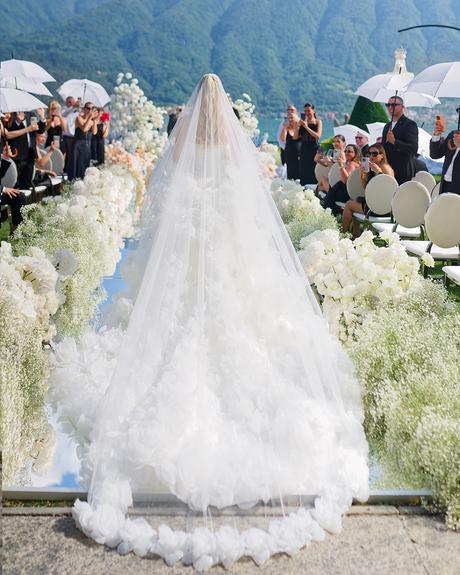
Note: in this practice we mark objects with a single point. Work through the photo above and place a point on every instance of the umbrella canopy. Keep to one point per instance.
(87, 90)
(439, 80)
(12, 68)
(375, 131)
(17, 101)
(349, 132)
(388, 82)
(381, 87)
(26, 84)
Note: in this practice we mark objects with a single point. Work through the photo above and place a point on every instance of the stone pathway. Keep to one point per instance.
(375, 540)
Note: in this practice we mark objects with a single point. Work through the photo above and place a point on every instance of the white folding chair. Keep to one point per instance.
(334, 175)
(409, 206)
(355, 186)
(451, 273)
(442, 228)
(426, 179)
(321, 171)
(48, 165)
(435, 192)
(379, 194)
(57, 161)
(11, 176)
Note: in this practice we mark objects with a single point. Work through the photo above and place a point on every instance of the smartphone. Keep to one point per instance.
(365, 164)
(33, 120)
(336, 155)
(302, 116)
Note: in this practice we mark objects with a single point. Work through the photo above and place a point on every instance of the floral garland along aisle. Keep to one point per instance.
(51, 274)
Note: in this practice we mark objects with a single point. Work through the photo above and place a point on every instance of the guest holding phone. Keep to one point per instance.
(374, 164)
(290, 135)
(56, 124)
(98, 140)
(347, 162)
(338, 143)
(310, 130)
(449, 149)
(85, 129)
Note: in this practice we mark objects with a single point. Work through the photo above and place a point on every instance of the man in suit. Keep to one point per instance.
(21, 135)
(449, 148)
(362, 141)
(400, 140)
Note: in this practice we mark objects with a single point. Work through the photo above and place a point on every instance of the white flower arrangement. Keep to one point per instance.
(300, 210)
(136, 122)
(354, 276)
(246, 109)
(407, 356)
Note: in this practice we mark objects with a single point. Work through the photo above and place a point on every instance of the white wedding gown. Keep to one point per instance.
(228, 387)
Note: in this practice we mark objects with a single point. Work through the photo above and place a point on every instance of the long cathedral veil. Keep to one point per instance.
(228, 388)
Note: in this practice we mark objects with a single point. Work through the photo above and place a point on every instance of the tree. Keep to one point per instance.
(366, 112)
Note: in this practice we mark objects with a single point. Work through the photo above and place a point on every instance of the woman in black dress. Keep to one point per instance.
(98, 140)
(290, 134)
(85, 129)
(56, 124)
(310, 130)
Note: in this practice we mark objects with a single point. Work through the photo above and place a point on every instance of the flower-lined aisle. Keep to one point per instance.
(402, 332)
(51, 275)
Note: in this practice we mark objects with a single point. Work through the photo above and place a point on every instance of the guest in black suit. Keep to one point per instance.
(21, 134)
(400, 140)
(449, 148)
(362, 141)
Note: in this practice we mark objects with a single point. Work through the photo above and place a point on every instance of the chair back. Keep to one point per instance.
(435, 192)
(334, 175)
(426, 179)
(11, 176)
(321, 171)
(410, 203)
(57, 161)
(442, 221)
(48, 166)
(379, 193)
(355, 186)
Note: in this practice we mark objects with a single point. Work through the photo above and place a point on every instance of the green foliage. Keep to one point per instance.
(276, 51)
(366, 112)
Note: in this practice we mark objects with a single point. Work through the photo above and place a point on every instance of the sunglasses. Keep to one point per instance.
(373, 154)
(88, 108)
(393, 105)
(359, 137)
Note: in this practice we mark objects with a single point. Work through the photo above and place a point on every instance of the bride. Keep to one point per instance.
(228, 388)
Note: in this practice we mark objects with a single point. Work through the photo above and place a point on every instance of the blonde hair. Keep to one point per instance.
(209, 128)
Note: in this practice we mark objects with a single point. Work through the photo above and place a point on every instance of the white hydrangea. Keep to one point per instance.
(246, 109)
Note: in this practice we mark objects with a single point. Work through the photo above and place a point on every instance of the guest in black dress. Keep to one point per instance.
(310, 130)
(290, 134)
(98, 140)
(56, 124)
(85, 128)
(339, 193)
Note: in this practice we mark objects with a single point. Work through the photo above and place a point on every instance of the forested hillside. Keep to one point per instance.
(275, 50)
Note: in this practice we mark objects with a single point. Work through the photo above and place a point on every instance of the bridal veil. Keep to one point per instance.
(228, 389)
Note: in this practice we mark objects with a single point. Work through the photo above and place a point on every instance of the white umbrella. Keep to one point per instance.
(439, 80)
(12, 68)
(375, 131)
(18, 101)
(87, 90)
(349, 132)
(26, 84)
(373, 87)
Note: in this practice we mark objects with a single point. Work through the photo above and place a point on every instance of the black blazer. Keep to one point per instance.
(401, 154)
(440, 149)
(4, 165)
(21, 143)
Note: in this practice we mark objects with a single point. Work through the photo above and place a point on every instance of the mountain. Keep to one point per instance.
(278, 51)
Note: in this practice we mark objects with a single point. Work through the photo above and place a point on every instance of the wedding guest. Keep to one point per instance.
(378, 164)
(449, 148)
(347, 162)
(362, 141)
(400, 140)
(291, 109)
(56, 124)
(338, 143)
(310, 130)
(98, 140)
(85, 128)
(70, 114)
(290, 134)
(173, 116)
(21, 136)
(10, 196)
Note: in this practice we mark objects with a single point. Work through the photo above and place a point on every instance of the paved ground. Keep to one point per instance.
(376, 540)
